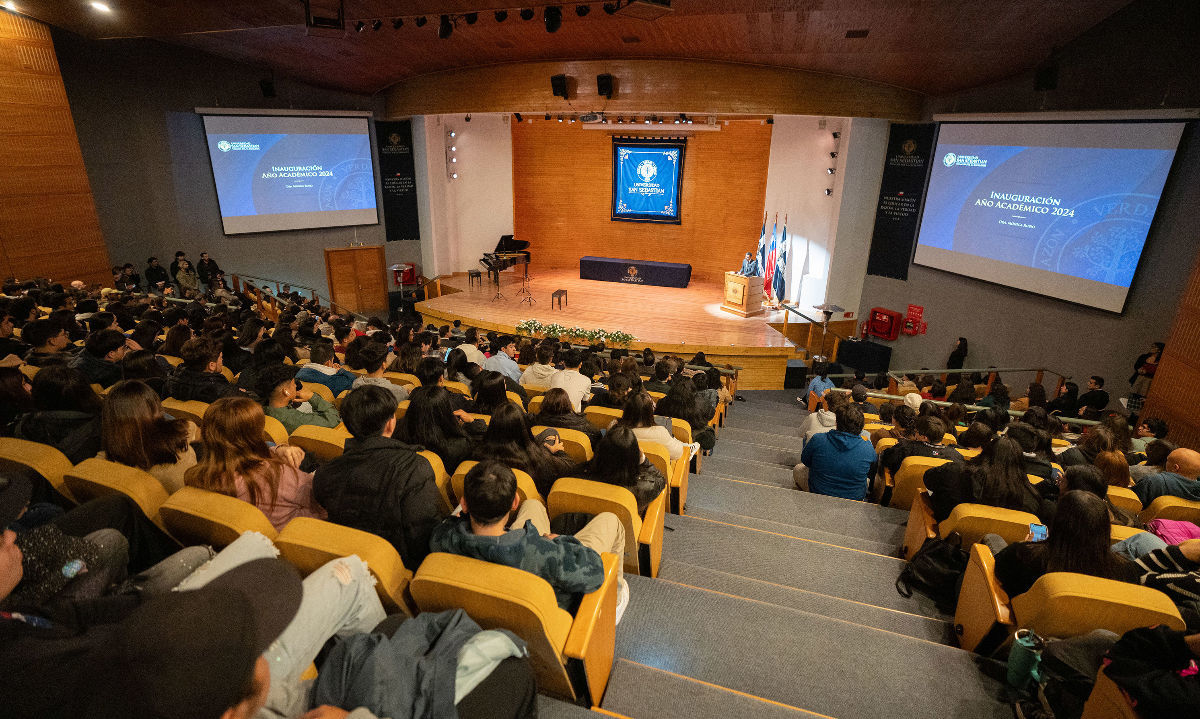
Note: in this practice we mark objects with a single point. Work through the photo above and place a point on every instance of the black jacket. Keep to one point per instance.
(154, 275)
(573, 420)
(99, 371)
(207, 269)
(75, 434)
(953, 483)
(380, 485)
(185, 384)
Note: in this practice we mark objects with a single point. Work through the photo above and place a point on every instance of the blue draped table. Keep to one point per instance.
(636, 272)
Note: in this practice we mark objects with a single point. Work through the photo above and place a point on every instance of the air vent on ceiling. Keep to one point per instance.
(857, 34)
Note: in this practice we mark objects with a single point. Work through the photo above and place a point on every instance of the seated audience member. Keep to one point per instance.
(976, 436)
(638, 416)
(135, 431)
(373, 357)
(470, 347)
(708, 396)
(615, 394)
(1093, 402)
(997, 397)
(238, 463)
(290, 403)
(963, 393)
(1147, 431)
(937, 391)
(928, 441)
(557, 412)
(177, 336)
(144, 336)
(1156, 459)
(435, 422)
(1035, 396)
(820, 384)
(1097, 439)
(9, 345)
(502, 359)
(1089, 479)
(619, 460)
(380, 484)
(16, 397)
(683, 403)
(233, 355)
(1117, 425)
(571, 564)
(1066, 403)
(199, 377)
(431, 372)
(99, 358)
(267, 353)
(406, 359)
(1036, 456)
(1178, 478)
(1114, 468)
(716, 383)
(1079, 542)
(66, 413)
(903, 420)
(323, 368)
(994, 417)
(539, 373)
(489, 393)
(858, 398)
(577, 386)
(995, 478)
(49, 342)
(509, 441)
(824, 419)
(839, 462)
(661, 379)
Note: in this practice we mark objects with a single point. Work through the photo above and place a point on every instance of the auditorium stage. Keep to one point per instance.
(681, 321)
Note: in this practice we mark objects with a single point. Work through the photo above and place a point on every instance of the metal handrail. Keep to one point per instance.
(897, 373)
(313, 290)
(975, 407)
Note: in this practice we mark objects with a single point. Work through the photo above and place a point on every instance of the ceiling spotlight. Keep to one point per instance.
(689, 121)
(552, 16)
(102, 7)
(453, 133)
(445, 28)
(376, 25)
(677, 121)
(471, 17)
(454, 176)
(517, 115)
(833, 155)
(420, 22)
(647, 121)
(454, 148)
(468, 118)
(620, 120)
(610, 7)
(398, 23)
(836, 135)
(501, 15)
(527, 13)
(453, 159)
(359, 26)
(560, 118)
(828, 191)
(829, 171)
(547, 116)
(582, 10)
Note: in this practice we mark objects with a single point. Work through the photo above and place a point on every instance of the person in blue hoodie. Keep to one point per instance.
(323, 368)
(838, 463)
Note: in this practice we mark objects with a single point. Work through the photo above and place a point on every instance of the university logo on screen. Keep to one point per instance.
(226, 145)
(951, 160)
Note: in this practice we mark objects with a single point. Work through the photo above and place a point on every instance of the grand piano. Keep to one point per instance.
(508, 252)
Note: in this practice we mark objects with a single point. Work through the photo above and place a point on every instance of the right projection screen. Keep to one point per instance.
(1060, 209)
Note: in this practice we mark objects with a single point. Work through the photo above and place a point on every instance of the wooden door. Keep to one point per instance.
(356, 279)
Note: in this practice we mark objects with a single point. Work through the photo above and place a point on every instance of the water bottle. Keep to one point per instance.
(1024, 659)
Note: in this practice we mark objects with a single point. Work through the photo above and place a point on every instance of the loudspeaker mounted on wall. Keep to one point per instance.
(267, 86)
(604, 85)
(558, 85)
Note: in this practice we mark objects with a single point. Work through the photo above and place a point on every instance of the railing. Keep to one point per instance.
(896, 376)
(237, 277)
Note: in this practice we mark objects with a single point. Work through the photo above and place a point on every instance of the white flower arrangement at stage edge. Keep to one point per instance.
(533, 328)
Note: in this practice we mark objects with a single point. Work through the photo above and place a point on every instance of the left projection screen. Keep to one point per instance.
(291, 173)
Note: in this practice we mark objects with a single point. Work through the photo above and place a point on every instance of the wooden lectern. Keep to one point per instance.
(743, 295)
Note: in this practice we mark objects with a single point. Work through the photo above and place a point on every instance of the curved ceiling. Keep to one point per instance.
(929, 46)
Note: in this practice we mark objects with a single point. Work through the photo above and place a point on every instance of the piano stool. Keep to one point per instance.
(473, 275)
(559, 295)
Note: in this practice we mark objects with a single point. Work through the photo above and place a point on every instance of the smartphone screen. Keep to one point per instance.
(1039, 532)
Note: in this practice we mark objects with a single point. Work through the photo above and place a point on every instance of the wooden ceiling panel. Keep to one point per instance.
(932, 47)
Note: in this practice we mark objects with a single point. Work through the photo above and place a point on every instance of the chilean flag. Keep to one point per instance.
(769, 270)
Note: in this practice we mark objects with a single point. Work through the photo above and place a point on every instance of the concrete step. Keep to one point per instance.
(830, 536)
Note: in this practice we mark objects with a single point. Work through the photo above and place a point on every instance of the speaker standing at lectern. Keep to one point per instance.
(750, 266)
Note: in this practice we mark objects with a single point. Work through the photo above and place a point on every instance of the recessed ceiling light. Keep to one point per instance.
(102, 7)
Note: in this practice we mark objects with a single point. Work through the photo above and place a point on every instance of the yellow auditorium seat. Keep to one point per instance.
(983, 619)
(534, 392)
(1064, 604)
(1172, 508)
(191, 409)
(868, 417)
(402, 379)
(643, 537)
(656, 396)
(227, 374)
(319, 389)
(1119, 532)
(337, 401)
(921, 525)
(516, 399)
(682, 431)
(402, 409)
(42, 459)
(675, 473)
(309, 543)
(872, 426)
(601, 417)
(324, 443)
(486, 418)
(172, 360)
(577, 444)
(885, 443)
(1125, 499)
(535, 403)
(99, 389)
(972, 521)
(441, 479)
(910, 479)
(571, 655)
(969, 453)
(29, 371)
(458, 388)
(1059, 442)
(526, 489)
(1107, 701)
(274, 431)
(198, 516)
(96, 477)
(814, 400)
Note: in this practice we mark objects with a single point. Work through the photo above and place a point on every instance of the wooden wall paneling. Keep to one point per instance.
(1175, 392)
(48, 221)
(562, 185)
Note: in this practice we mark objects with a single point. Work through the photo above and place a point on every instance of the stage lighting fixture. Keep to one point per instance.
(398, 23)
(501, 15)
(647, 121)
(582, 10)
(454, 148)
(833, 155)
(471, 17)
(552, 17)
(454, 176)
(620, 120)
(610, 7)
(360, 26)
(677, 121)
(517, 115)
(829, 171)
(453, 159)
(527, 13)
(421, 21)
(547, 116)
(836, 135)
(468, 118)
(828, 190)
(453, 133)
(689, 121)
(376, 25)
(770, 121)
(560, 118)
(445, 28)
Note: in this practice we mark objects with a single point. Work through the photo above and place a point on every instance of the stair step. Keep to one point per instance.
(913, 625)
(728, 448)
(749, 469)
(795, 530)
(774, 436)
(551, 708)
(637, 690)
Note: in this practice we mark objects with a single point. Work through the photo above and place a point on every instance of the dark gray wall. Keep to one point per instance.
(144, 148)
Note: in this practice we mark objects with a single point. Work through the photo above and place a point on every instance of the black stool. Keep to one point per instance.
(473, 275)
(561, 296)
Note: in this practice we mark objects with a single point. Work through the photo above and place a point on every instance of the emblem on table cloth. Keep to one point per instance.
(647, 170)
(631, 275)
(1098, 239)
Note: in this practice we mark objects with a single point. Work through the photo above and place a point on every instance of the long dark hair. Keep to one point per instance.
(59, 387)
(1080, 538)
(1089, 478)
(176, 337)
(556, 403)
(618, 458)
(999, 472)
(1036, 395)
(429, 420)
(456, 364)
(639, 411)
(681, 402)
(134, 430)
(964, 392)
(489, 391)
(1119, 428)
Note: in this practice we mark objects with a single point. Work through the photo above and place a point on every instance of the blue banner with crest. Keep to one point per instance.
(647, 180)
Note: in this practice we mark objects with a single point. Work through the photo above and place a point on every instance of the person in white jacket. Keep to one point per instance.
(639, 417)
(823, 419)
(539, 373)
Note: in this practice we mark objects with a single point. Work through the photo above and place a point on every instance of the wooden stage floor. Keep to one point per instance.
(682, 321)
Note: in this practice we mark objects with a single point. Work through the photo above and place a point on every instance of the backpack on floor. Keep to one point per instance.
(936, 571)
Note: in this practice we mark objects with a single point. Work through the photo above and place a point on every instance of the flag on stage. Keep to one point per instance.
(779, 280)
(761, 256)
(769, 266)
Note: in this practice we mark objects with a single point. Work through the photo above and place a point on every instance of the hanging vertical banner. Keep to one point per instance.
(904, 173)
(398, 176)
